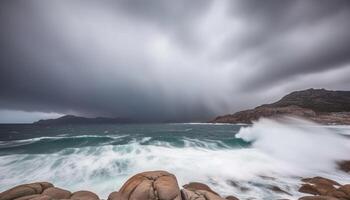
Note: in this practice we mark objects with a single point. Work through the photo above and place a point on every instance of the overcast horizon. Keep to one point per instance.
(166, 60)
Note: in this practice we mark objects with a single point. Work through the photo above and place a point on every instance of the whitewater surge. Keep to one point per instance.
(299, 143)
(229, 158)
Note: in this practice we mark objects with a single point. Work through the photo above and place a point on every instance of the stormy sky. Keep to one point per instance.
(156, 60)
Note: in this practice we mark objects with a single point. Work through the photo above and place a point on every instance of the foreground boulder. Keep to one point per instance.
(162, 185)
(44, 191)
(318, 186)
(345, 189)
(200, 191)
(25, 190)
(324, 189)
(57, 193)
(148, 186)
(84, 195)
(193, 186)
(199, 195)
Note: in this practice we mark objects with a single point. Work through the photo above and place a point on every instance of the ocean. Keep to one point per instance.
(241, 160)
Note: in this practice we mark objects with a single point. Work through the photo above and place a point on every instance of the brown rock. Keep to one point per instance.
(323, 189)
(42, 197)
(193, 186)
(84, 195)
(199, 195)
(318, 185)
(16, 192)
(195, 190)
(338, 194)
(309, 189)
(345, 189)
(57, 193)
(114, 196)
(45, 185)
(231, 198)
(318, 198)
(320, 180)
(37, 187)
(319, 189)
(35, 197)
(344, 165)
(28, 197)
(150, 185)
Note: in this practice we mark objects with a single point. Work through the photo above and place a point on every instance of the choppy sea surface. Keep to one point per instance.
(241, 160)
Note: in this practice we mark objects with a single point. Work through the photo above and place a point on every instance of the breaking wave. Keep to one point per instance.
(268, 153)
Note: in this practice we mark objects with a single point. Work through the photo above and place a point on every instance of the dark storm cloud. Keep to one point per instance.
(292, 38)
(167, 60)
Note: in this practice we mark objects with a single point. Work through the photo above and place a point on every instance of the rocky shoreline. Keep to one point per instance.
(318, 105)
(162, 185)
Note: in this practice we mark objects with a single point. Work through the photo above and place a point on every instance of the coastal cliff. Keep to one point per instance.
(318, 105)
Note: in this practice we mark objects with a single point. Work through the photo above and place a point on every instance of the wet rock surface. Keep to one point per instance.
(150, 185)
(162, 185)
(324, 189)
(44, 191)
(200, 191)
(344, 165)
(193, 186)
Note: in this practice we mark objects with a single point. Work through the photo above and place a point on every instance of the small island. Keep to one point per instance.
(71, 119)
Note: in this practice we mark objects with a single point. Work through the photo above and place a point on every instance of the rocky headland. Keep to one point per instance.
(318, 105)
(71, 119)
(162, 185)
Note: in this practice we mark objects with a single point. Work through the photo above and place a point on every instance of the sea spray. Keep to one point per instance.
(102, 162)
(302, 144)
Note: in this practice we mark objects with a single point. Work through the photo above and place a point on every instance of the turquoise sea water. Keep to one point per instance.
(101, 157)
(30, 139)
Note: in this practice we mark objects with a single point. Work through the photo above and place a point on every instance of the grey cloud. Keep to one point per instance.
(166, 60)
(320, 42)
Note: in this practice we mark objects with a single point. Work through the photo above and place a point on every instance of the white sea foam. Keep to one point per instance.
(65, 136)
(283, 150)
(298, 142)
(104, 169)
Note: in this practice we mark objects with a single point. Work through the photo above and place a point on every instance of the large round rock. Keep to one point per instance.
(149, 186)
(200, 191)
(57, 193)
(25, 190)
(84, 195)
(193, 186)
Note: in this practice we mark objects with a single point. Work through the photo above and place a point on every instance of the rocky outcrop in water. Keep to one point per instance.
(162, 185)
(319, 105)
(325, 189)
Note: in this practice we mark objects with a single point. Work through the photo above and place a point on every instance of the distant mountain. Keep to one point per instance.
(319, 105)
(71, 119)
